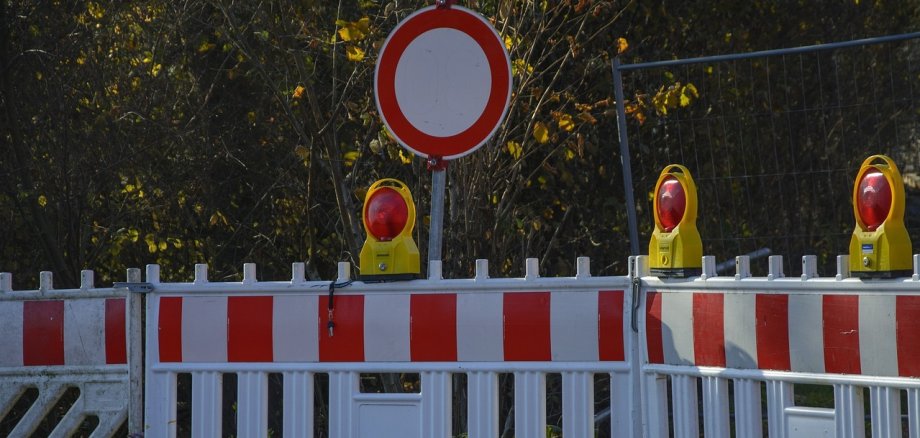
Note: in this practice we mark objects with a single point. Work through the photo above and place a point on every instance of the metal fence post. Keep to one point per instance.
(134, 327)
(624, 159)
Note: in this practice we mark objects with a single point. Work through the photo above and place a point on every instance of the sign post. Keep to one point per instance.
(442, 87)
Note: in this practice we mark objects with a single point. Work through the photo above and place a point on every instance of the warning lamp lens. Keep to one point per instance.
(672, 202)
(873, 201)
(386, 214)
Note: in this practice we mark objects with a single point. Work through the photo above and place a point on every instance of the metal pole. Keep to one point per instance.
(135, 330)
(435, 233)
(624, 160)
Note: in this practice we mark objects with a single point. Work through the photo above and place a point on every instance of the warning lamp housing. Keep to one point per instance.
(880, 246)
(676, 249)
(389, 253)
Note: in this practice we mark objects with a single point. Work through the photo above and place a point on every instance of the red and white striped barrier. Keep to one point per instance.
(63, 346)
(869, 334)
(573, 326)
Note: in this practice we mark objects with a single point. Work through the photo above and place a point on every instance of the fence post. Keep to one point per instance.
(134, 327)
(624, 159)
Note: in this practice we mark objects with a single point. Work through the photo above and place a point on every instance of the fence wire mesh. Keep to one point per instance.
(774, 143)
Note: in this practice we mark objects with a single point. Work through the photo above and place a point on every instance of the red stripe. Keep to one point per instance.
(43, 333)
(249, 329)
(653, 327)
(170, 329)
(907, 318)
(610, 325)
(772, 313)
(841, 334)
(115, 345)
(527, 333)
(433, 327)
(347, 342)
(709, 329)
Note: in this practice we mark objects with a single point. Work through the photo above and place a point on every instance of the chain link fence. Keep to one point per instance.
(774, 140)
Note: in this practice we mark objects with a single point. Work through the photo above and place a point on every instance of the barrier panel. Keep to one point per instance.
(63, 359)
(733, 342)
(480, 327)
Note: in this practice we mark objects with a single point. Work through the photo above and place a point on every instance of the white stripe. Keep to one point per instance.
(386, 328)
(740, 316)
(677, 328)
(204, 329)
(295, 328)
(480, 328)
(806, 333)
(11, 333)
(84, 332)
(878, 347)
(573, 326)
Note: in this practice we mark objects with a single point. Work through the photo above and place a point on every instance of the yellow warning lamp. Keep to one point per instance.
(676, 249)
(389, 253)
(880, 246)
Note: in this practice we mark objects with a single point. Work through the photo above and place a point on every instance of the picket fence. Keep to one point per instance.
(712, 355)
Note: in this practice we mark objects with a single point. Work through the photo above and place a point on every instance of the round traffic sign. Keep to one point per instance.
(443, 82)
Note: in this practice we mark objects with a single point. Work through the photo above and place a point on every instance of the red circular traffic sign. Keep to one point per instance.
(443, 82)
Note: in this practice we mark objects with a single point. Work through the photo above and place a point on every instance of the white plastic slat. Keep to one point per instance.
(298, 404)
(913, 412)
(578, 404)
(9, 393)
(69, 422)
(530, 404)
(623, 415)
(109, 422)
(885, 406)
(47, 397)
(655, 404)
(715, 407)
(685, 407)
(342, 388)
(207, 398)
(849, 413)
(160, 404)
(252, 404)
(748, 421)
(436, 404)
(779, 397)
(482, 404)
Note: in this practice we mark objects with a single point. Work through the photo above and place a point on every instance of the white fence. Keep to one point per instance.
(713, 356)
(481, 327)
(63, 359)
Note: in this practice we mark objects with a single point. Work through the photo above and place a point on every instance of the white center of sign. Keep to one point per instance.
(443, 92)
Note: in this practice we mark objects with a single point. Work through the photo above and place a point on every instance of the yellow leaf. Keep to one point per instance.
(302, 152)
(155, 71)
(518, 66)
(540, 133)
(42, 201)
(508, 42)
(298, 92)
(205, 46)
(405, 157)
(151, 243)
(354, 53)
(95, 10)
(569, 154)
(161, 246)
(566, 123)
(354, 30)
(515, 149)
(622, 45)
(587, 117)
(350, 158)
